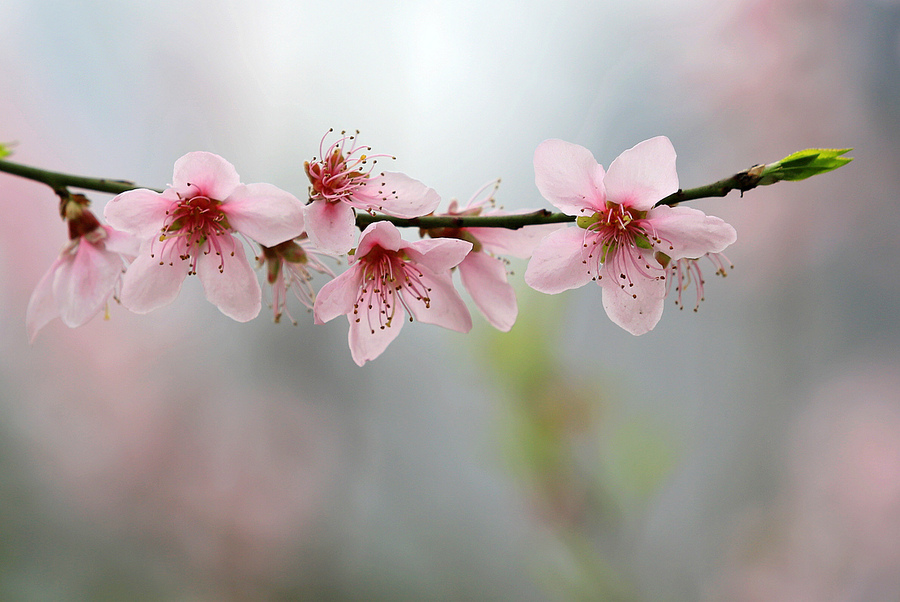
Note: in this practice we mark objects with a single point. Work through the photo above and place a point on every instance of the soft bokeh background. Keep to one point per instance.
(750, 451)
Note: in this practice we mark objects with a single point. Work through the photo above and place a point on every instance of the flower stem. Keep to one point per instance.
(59, 181)
(515, 221)
(742, 181)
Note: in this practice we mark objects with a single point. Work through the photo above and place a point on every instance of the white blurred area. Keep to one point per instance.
(750, 451)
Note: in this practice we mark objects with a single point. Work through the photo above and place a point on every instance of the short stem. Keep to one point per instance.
(743, 181)
(58, 181)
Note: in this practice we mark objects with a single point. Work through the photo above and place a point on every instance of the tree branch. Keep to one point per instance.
(794, 167)
(59, 181)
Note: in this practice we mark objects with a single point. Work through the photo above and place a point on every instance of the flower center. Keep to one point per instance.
(623, 240)
(343, 169)
(335, 177)
(195, 225)
(388, 280)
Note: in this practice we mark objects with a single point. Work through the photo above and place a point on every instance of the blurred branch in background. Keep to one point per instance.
(585, 467)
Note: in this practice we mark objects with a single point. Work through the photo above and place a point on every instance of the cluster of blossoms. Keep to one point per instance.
(204, 221)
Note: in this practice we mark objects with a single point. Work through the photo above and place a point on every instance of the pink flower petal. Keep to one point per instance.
(439, 254)
(229, 281)
(206, 173)
(518, 243)
(265, 213)
(568, 176)
(636, 315)
(338, 296)
(690, 232)
(331, 226)
(558, 262)
(83, 286)
(42, 305)
(121, 242)
(643, 175)
(139, 212)
(485, 279)
(147, 285)
(446, 308)
(380, 234)
(397, 194)
(367, 343)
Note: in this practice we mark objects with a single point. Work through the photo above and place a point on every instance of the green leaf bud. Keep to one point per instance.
(804, 164)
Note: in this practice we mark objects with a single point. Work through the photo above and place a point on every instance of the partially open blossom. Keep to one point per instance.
(288, 266)
(343, 180)
(82, 279)
(190, 228)
(619, 231)
(389, 277)
(482, 272)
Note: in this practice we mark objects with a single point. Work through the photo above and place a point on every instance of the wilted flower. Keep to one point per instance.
(288, 266)
(82, 279)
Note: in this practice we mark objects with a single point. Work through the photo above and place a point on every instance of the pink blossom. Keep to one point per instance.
(342, 180)
(483, 274)
(620, 236)
(190, 229)
(81, 280)
(288, 268)
(389, 277)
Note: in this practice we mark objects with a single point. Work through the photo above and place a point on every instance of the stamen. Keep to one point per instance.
(388, 282)
(688, 272)
(194, 225)
(343, 172)
(623, 236)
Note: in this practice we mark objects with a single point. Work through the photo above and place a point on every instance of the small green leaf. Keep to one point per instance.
(642, 241)
(586, 221)
(805, 164)
(6, 149)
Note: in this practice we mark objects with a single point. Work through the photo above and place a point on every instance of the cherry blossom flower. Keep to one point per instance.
(82, 279)
(288, 268)
(619, 230)
(190, 228)
(389, 277)
(483, 274)
(342, 180)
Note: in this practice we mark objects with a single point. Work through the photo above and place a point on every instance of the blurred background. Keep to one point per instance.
(750, 451)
